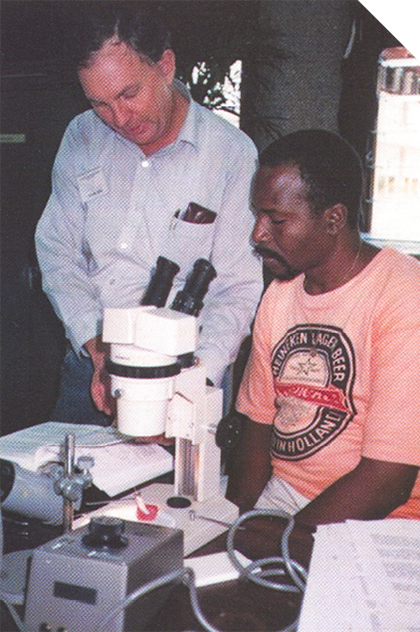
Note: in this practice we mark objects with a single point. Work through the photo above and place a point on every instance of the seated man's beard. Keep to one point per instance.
(289, 272)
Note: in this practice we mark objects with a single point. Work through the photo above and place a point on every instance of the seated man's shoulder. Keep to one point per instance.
(396, 289)
(402, 268)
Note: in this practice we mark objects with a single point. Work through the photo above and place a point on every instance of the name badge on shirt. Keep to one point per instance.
(92, 184)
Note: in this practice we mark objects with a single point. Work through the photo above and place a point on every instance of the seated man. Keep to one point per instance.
(331, 392)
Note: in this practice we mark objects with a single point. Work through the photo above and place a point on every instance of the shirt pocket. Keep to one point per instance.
(186, 242)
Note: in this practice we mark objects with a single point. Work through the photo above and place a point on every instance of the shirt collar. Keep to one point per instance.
(189, 131)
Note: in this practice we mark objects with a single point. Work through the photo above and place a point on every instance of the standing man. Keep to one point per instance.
(331, 392)
(124, 177)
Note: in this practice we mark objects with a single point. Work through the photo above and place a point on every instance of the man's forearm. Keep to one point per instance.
(250, 467)
(369, 492)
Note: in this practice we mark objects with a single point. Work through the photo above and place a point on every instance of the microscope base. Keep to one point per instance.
(199, 529)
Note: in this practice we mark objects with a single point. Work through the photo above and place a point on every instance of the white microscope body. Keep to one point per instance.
(154, 395)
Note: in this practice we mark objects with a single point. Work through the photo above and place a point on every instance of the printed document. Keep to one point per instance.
(364, 577)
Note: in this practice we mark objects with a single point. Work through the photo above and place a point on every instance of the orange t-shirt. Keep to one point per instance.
(338, 375)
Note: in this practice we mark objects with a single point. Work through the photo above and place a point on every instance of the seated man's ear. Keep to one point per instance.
(336, 217)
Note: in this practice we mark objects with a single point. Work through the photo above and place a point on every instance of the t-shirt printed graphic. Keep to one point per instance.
(313, 371)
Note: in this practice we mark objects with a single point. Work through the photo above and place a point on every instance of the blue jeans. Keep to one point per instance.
(74, 403)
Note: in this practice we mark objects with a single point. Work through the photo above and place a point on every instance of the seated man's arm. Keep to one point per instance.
(250, 467)
(371, 491)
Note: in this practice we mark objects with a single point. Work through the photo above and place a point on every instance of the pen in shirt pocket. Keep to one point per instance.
(196, 214)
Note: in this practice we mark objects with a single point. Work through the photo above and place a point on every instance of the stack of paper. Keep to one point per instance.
(364, 577)
(119, 463)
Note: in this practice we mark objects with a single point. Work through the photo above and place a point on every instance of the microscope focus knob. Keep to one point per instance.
(105, 532)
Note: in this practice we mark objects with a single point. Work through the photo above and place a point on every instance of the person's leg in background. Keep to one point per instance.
(293, 94)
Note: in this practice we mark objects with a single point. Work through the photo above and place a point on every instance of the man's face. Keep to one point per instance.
(131, 95)
(287, 235)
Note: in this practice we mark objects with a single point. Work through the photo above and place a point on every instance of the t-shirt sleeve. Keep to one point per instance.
(393, 416)
(256, 398)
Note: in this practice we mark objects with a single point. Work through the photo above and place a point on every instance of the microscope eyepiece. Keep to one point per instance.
(190, 299)
(160, 284)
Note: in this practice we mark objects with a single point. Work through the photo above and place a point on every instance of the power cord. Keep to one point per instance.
(176, 576)
(260, 570)
(256, 571)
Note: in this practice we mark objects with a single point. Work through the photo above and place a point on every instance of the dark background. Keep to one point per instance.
(40, 95)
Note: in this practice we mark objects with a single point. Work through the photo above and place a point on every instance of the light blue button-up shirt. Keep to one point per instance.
(112, 213)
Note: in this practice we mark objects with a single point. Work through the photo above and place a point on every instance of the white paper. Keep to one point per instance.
(119, 465)
(215, 568)
(364, 577)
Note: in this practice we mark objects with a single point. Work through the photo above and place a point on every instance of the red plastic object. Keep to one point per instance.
(147, 517)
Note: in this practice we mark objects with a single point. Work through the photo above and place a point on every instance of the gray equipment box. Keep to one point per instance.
(78, 578)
